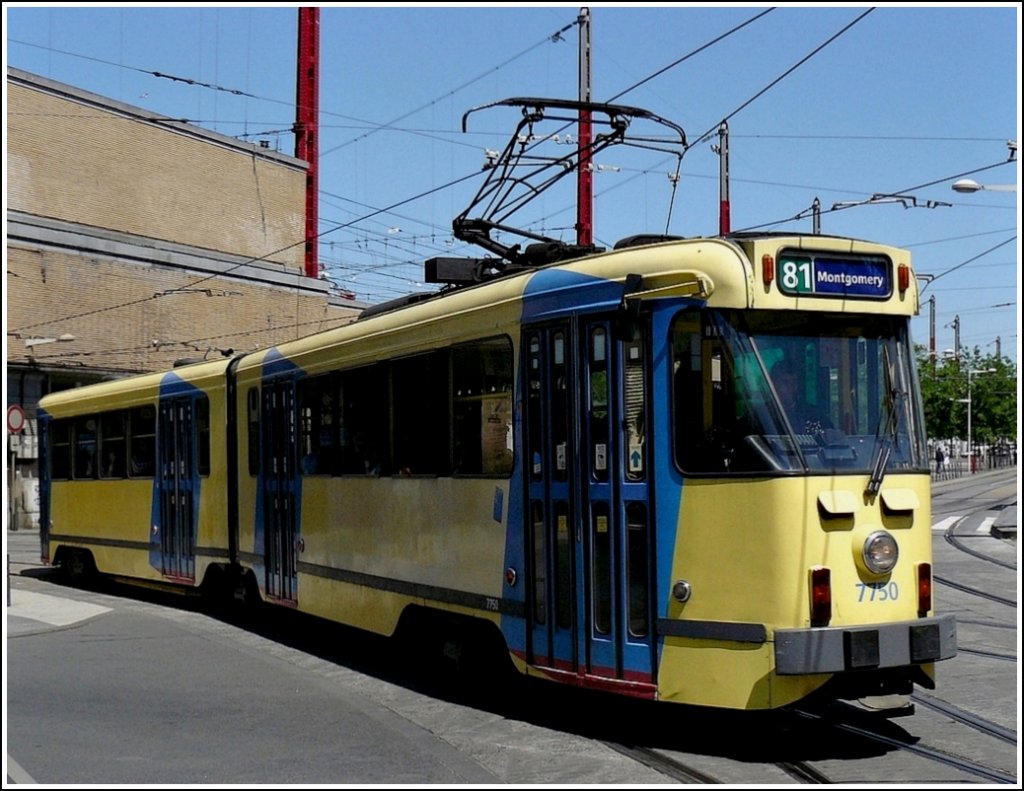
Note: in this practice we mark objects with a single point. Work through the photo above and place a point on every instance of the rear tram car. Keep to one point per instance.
(689, 470)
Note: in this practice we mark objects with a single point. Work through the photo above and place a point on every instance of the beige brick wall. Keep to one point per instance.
(110, 306)
(123, 192)
(75, 160)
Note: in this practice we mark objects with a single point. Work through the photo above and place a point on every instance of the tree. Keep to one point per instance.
(993, 396)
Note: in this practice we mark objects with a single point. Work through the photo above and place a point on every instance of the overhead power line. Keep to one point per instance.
(778, 79)
(689, 55)
(803, 213)
(252, 260)
(554, 37)
(969, 260)
(157, 74)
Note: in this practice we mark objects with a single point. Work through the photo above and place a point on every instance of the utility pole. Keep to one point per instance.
(956, 338)
(816, 217)
(724, 210)
(307, 115)
(584, 168)
(931, 329)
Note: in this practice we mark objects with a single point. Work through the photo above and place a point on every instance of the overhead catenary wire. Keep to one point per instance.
(969, 260)
(903, 192)
(742, 106)
(252, 260)
(689, 55)
(777, 80)
(194, 343)
(556, 36)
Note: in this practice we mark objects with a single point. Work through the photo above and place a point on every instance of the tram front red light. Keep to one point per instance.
(903, 277)
(821, 596)
(767, 269)
(924, 588)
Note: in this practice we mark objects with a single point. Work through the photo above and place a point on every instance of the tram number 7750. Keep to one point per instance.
(880, 591)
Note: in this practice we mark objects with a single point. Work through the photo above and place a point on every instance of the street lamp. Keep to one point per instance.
(970, 185)
(970, 438)
(30, 342)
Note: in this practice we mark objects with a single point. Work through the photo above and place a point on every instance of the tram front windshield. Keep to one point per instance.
(772, 391)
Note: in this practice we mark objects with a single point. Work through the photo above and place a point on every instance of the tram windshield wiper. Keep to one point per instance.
(886, 429)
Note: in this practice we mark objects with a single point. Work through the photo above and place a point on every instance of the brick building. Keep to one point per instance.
(134, 241)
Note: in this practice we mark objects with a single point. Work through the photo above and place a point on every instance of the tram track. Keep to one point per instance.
(804, 772)
(677, 769)
(954, 540)
(965, 717)
(933, 754)
(666, 765)
(975, 591)
(987, 654)
(989, 624)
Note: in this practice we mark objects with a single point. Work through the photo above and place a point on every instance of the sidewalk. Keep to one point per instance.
(1005, 525)
(31, 612)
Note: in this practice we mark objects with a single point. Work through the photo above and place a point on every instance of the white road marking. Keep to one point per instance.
(940, 527)
(54, 610)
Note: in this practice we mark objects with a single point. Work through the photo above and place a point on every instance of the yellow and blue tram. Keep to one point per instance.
(691, 470)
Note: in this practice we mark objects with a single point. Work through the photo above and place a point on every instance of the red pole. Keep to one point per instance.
(584, 172)
(307, 113)
(724, 207)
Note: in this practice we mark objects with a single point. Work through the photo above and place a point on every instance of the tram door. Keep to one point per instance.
(280, 484)
(179, 485)
(588, 524)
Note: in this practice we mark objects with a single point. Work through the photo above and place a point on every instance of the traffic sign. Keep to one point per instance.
(15, 419)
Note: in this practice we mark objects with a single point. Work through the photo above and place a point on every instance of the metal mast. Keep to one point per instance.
(585, 173)
(307, 113)
(724, 210)
(931, 331)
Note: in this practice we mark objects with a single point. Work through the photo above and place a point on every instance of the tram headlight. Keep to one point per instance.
(880, 552)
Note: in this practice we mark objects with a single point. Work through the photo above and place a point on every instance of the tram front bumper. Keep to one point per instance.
(837, 649)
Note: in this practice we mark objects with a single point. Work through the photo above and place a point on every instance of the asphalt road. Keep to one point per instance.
(113, 689)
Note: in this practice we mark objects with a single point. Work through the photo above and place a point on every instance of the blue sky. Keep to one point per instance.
(891, 100)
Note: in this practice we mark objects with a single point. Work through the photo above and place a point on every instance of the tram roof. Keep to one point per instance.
(721, 271)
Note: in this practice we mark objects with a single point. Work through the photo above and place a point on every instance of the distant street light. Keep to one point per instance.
(970, 185)
(30, 342)
(970, 442)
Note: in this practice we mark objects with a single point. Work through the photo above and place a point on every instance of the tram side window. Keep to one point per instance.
(112, 445)
(482, 408)
(203, 433)
(318, 419)
(419, 387)
(637, 567)
(142, 441)
(634, 399)
(253, 423)
(364, 421)
(710, 406)
(560, 395)
(60, 449)
(85, 447)
(597, 406)
(534, 408)
(690, 418)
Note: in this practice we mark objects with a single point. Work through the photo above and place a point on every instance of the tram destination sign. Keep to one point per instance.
(868, 277)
